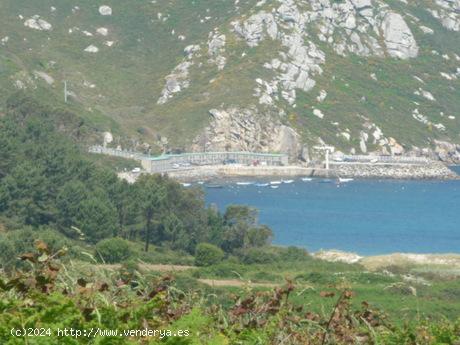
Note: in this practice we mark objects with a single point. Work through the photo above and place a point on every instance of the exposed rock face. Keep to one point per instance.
(448, 12)
(105, 10)
(176, 81)
(216, 48)
(447, 152)
(349, 26)
(395, 147)
(399, 40)
(190, 50)
(179, 77)
(38, 24)
(102, 31)
(107, 137)
(91, 49)
(46, 77)
(235, 129)
(318, 113)
(256, 27)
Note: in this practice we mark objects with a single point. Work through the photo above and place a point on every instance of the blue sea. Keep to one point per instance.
(369, 217)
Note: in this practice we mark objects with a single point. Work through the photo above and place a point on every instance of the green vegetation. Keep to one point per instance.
(80, 248)
(117, 88)
(52, 296)
(112, 250)
(47, 182)
(207, 254)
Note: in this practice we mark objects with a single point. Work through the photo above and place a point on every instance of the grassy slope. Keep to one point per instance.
(438, 299)
(129, 76)
(435, 295)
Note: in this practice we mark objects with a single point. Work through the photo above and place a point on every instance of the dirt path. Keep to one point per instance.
(210, 282)
(235, 283)
(153, 267)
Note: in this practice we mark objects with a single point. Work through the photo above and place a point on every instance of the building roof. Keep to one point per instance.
(190, 154)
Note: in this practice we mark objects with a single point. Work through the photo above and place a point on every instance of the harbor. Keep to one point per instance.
(196, 166)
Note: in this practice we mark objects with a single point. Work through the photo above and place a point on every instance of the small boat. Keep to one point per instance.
(274, 186)
(262, 184)
(287, 181)
(275, 183)
(214, 186)
(344, 180)
(306, 179)
(200, 182)
(186, 184)
(326, 180)
(244, 183)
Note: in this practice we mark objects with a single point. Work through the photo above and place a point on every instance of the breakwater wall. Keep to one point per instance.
(431, 170)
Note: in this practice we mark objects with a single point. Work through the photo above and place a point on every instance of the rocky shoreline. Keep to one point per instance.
(376, 262)
(432, 170)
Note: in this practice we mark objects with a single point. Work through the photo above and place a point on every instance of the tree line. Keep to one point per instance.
(46, 179)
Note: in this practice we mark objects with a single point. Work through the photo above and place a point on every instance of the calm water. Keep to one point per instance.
(364, 216)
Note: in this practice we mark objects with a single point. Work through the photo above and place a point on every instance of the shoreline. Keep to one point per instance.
(431, 171)
(435, 172)
(375, 262)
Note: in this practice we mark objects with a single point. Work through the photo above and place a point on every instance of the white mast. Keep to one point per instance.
(328, 150)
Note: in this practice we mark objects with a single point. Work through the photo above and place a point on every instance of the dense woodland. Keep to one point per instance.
(47, 184)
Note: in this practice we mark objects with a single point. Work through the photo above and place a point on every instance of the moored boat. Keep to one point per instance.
(344, 180)
(214, 186)
(262, 184)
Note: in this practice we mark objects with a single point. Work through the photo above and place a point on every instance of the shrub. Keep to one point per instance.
(113, 250)
(257, 256)
(207, 254)
(292, 253)
(130, 265)
(13, 243)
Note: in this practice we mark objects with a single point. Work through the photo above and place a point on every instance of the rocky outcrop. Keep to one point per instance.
(236, 129)
(179, 77)
(416, 115)
(349, 26)
(175, 82)
(447, 152)
(256, 28)
(399, 40)
(46, 77)
(216, 48)
(105, 10)
(448, 13)
(91, 49)
(38, 23)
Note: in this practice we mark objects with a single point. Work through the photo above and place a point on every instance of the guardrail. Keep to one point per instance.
(383, 159)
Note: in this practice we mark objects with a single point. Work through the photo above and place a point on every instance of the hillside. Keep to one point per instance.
(362, 75)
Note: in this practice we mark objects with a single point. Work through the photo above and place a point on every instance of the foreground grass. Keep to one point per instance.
(53, 295)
